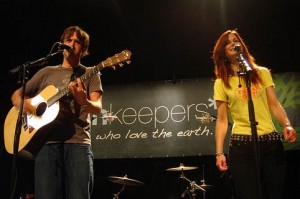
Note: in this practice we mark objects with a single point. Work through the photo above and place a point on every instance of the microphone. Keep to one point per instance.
(237, 48)
(62, 46)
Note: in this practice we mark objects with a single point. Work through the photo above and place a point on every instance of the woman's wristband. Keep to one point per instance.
(219, 154)
(287, 124)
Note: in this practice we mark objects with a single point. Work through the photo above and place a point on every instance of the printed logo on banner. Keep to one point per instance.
(156, 120)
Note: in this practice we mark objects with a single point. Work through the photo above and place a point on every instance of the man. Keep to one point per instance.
(64, 164)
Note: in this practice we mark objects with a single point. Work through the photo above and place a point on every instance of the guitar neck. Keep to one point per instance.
(117, 59)
(66, 90)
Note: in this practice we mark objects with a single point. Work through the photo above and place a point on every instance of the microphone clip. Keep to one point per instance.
(240, 58)
(62, 47)
(243, 63)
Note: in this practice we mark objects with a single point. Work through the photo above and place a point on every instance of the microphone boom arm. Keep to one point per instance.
(39, 62)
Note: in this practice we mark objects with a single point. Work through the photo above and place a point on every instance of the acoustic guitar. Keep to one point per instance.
(45, 108)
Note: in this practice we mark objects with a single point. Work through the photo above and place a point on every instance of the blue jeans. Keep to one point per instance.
(64, 171)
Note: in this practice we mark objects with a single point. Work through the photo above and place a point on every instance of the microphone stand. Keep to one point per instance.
(23, 75)
(246, 72)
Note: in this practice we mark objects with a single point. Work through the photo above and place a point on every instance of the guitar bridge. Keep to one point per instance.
(24, 122)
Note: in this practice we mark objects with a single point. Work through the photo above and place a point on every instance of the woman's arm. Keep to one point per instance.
(279, 113)
(221, 131)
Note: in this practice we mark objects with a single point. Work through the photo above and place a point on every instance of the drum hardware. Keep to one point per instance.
(203, 184)
(206, 118)
(191, 190)
(124, 181)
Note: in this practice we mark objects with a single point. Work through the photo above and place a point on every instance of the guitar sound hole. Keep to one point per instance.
(40, 109)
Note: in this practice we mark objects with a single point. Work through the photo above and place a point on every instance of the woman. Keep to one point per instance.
(230, 93)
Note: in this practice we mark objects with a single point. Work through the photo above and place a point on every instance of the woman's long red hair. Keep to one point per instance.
(222, 66)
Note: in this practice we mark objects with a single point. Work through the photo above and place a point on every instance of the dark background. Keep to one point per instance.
(169, 40)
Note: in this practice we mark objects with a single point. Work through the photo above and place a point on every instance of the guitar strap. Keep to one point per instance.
(78, 72)
(67, 100)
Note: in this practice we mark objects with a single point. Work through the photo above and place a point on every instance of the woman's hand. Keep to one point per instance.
(221, 162)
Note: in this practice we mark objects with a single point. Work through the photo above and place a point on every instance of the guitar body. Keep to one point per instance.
(31, 123)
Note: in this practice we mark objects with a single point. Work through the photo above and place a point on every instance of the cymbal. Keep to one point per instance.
(124, 180)
(205, 186)
(182, 168)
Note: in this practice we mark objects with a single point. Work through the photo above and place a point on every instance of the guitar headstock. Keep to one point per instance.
(118, 59)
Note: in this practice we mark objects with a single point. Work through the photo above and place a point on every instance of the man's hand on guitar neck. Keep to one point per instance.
(79, 92)
(92, 103)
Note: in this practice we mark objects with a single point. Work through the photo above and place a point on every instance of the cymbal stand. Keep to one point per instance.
(203, 180)
(116, 196)
(193, 186)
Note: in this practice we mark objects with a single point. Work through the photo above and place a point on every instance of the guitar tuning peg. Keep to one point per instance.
(114, 67)
(121, 64)
(128, 62)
